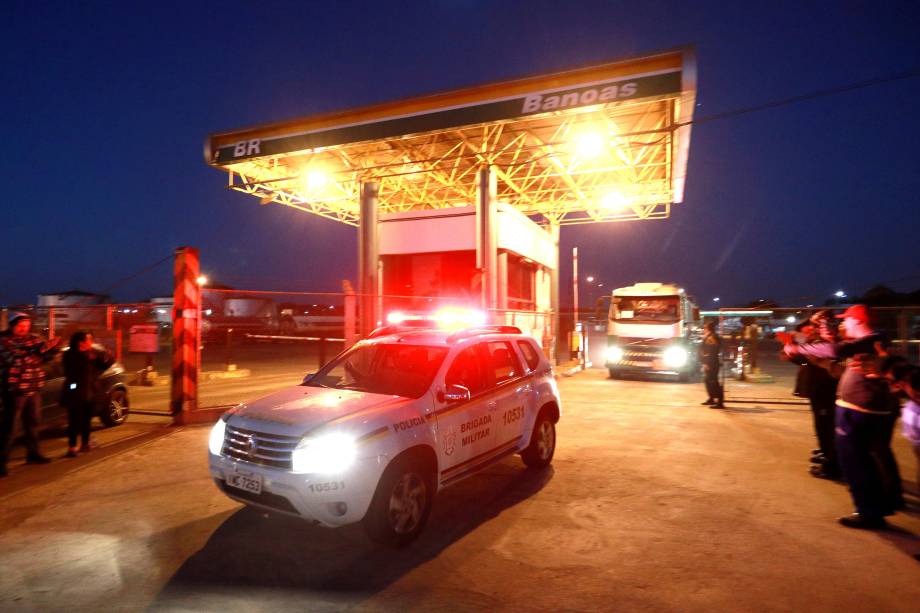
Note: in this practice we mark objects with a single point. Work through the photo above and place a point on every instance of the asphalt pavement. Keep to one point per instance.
(653, 502)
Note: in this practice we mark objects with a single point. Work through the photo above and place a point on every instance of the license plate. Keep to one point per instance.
(251, 483)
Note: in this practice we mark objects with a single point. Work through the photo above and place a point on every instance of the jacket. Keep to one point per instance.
(81, 375)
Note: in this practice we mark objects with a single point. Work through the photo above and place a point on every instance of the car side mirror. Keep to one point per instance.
(454, 393)
(309, 376)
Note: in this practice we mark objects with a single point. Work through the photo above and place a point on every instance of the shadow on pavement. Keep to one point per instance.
(275, 560)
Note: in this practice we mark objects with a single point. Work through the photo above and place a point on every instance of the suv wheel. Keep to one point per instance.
(401, 504)
(542, 442)
(116, 408)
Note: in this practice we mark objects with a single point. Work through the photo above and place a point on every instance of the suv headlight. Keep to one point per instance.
(614, 353)
(326, 454)
(216, 441)
(675, 357)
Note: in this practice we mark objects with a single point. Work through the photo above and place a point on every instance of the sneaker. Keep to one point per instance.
(37, 459)
(718, 405)
(708, 402)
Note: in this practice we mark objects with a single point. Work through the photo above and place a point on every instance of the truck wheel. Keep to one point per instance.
(539, 452)
(401, 504)
(614, 374)
(116, 408)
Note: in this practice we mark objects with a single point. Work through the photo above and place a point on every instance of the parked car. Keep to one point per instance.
(112, 406)
(377, 432)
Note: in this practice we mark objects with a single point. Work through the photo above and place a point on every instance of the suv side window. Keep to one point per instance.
(465, 371)
(502, 362)
(530, 354)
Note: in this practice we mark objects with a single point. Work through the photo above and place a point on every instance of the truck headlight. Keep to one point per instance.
(614, 353)
(216, 441)
(675, 357)
(327, 454)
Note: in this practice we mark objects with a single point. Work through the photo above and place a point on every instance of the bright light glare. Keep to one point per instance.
(716, 299)
(329, 454)
(613, 201)
(316, 179)
(454, 318)
(396, 317)
(675, 357)
(589, 145)
(216, 440)
(790, 319)
(202, 280)
(840, 293)
(590, 279)
(614, 354)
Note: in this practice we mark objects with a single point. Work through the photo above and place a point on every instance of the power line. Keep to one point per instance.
(821, 93)
(142, 271)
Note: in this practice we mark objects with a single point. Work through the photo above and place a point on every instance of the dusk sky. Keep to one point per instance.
(106, 106)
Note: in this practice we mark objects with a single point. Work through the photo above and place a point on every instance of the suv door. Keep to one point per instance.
(466, 431)
(512, 396)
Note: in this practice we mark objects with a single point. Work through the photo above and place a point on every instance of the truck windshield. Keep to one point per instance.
(400, 370)
(663, 309)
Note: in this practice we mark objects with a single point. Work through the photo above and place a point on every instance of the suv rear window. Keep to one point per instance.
(530, 354)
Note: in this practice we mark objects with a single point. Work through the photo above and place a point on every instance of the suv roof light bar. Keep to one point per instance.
(461, 334)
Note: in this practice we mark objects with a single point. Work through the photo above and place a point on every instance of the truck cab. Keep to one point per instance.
(652, 328)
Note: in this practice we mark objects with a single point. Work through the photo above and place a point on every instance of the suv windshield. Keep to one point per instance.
(400, 370)
(662, 309)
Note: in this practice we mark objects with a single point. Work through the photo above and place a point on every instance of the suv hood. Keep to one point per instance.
(297, 410)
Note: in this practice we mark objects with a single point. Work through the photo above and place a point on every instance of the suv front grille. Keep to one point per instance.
(273, 450)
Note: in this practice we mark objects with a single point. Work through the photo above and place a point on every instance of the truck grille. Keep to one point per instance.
(259, 448)
(642, 356)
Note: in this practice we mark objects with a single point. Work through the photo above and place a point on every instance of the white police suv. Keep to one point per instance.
(378, 431)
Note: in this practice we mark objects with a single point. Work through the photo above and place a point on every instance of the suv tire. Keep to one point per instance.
(539, 453)
(401, 504)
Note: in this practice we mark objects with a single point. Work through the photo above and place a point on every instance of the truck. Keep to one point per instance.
(652, 328)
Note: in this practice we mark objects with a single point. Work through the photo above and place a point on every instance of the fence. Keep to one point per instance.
(252, 342)
(138, 335)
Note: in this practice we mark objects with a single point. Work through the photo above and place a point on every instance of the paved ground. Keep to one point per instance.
(653, 503)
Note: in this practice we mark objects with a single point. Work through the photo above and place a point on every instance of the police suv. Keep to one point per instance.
(378, 431)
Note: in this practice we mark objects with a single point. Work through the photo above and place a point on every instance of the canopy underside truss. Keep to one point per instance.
(609, 162)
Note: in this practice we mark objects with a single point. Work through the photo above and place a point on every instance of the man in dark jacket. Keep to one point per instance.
(864, 410)
(21, 358)
(710, 353)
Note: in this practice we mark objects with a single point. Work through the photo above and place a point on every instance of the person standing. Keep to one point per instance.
(21, 357)
(864, 407)
(908, 380)
(83, 366)
(710, 355)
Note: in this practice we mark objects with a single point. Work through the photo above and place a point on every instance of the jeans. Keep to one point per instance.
(80, 415)
(859, 437)
(713, 387)
(28, 406)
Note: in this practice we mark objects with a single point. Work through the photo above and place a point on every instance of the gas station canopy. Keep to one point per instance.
(602, 143)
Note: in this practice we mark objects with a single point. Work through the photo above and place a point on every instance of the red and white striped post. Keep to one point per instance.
(186, 315)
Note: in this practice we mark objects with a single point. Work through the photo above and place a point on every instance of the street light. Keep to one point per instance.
(202, 280)
(716, 299)
(590, 279)
(840, 293)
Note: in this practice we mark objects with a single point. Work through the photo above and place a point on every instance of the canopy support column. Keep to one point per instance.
(486, 242)
(368, 279)
(554, 290)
